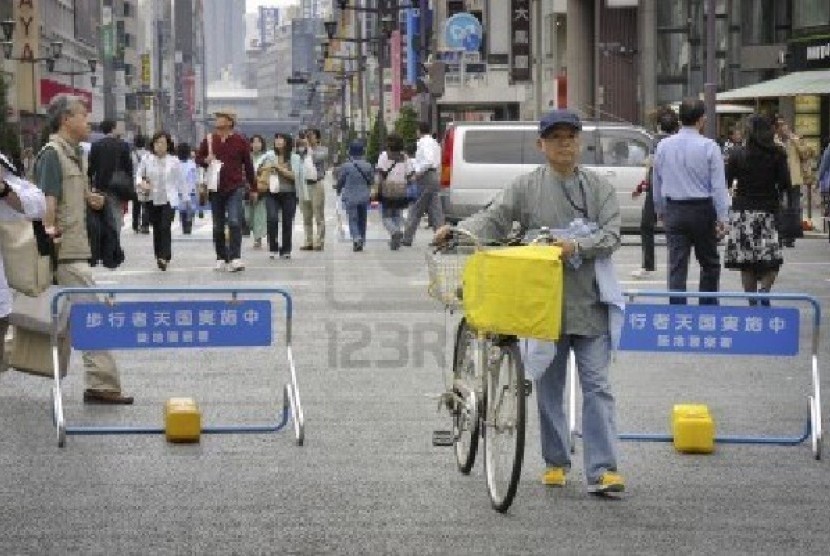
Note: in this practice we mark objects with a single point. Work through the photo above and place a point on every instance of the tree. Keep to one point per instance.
(374, 148)
(407, 127)
(9, 138)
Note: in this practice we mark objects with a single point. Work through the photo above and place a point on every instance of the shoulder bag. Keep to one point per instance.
(213, 169)
(27, 270)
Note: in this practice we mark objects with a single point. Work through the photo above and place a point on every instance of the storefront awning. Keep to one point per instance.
(798, 83)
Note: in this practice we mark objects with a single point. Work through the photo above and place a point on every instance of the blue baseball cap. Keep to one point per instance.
(559, 117)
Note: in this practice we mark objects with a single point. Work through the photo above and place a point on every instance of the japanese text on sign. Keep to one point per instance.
(711, 329)
(520, 41)
(180, 324)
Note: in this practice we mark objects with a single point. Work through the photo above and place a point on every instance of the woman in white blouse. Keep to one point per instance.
(160, 175)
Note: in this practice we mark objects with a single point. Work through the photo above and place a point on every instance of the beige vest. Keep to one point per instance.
(71, 210)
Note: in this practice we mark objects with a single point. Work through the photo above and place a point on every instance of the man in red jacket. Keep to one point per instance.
(235, 179)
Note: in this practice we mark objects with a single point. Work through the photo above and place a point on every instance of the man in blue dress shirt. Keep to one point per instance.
(690, 197)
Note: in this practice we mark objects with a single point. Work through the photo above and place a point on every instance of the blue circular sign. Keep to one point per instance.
(463, 32)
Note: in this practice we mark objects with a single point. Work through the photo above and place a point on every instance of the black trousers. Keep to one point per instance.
(281, 209)
(647, 224)
(161, 218)
(688, 226)
(141, 214)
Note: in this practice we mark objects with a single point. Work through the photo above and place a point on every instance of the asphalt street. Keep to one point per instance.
(370, 347)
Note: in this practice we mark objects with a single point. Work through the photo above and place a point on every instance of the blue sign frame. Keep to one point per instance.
(711, 329)
(170, 324)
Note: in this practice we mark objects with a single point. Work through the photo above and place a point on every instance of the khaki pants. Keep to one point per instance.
(313, 211)
(101, 372)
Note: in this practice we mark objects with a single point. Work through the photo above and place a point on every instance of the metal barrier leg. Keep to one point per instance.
(815, 409)
(57, 397)
(572, 400)
(296, 404)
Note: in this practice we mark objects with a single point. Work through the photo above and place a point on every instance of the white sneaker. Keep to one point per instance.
(220, 265)
(236, 265)
(642, 273)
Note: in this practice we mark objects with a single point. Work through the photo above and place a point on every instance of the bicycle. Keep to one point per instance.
(487, 396)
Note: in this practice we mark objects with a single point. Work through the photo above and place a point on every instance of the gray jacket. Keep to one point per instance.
(543, 199)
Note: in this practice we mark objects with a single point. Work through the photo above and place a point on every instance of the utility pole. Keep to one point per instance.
(710, 89)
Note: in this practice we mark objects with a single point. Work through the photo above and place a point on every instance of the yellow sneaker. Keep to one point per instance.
(610, 481)
(555, 477)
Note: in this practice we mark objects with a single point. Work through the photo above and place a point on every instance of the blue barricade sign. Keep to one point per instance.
(717, 329)
(170, 324)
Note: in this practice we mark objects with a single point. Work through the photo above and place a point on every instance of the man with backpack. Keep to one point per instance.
(427, 165)
(395, 170)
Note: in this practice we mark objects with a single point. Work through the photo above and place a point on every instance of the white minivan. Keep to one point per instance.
(481, 158)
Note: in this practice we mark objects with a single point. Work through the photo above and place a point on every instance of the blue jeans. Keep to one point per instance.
(599, 428)
(227, 210)
(392, 220)
(357, 221)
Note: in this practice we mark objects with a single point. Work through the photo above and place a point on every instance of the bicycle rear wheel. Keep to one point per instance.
(465, 421)
(504, 424)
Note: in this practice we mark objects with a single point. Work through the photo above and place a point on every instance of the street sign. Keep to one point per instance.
(715, 329)
(463, 31)
(170, 324)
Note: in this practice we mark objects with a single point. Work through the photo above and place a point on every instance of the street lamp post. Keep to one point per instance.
(55, 51)
(92, 62)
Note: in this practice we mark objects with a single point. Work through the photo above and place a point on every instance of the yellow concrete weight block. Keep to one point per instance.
(182, 420)
(693, 429)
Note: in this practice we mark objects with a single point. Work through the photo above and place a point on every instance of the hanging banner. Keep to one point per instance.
(395, 50)
(520, 41)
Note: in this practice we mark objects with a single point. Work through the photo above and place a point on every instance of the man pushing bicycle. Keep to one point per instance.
(582, 210)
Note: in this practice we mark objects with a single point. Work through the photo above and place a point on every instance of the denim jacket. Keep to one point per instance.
(355, 179)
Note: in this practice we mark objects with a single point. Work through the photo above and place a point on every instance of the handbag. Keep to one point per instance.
(788, 223)
(121, 186)
(28, 270)
(213, 169)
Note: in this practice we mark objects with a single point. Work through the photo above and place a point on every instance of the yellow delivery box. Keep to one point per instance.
(515, 291)
(693, 429)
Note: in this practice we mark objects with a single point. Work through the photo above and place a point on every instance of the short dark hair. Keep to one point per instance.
(183, 151)
(691, 111)
(171, 148)
(668, 121)
(314, 131)
(140, 141)
(394, 143)
(424, 128)
(107, 126)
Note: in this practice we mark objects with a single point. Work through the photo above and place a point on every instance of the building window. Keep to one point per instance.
(672, 54)
(758, 26)
(811, 13)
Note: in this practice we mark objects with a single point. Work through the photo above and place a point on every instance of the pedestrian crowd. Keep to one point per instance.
(747, 193)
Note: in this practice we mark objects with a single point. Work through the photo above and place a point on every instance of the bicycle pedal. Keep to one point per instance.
(528, 387)
(442, 438)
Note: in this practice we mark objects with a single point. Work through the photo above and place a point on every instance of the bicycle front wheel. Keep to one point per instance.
(465, 419)
(504, 424)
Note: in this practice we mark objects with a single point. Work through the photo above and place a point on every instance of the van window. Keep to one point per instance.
(621, 147)
(532, 155)
(493, 146)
